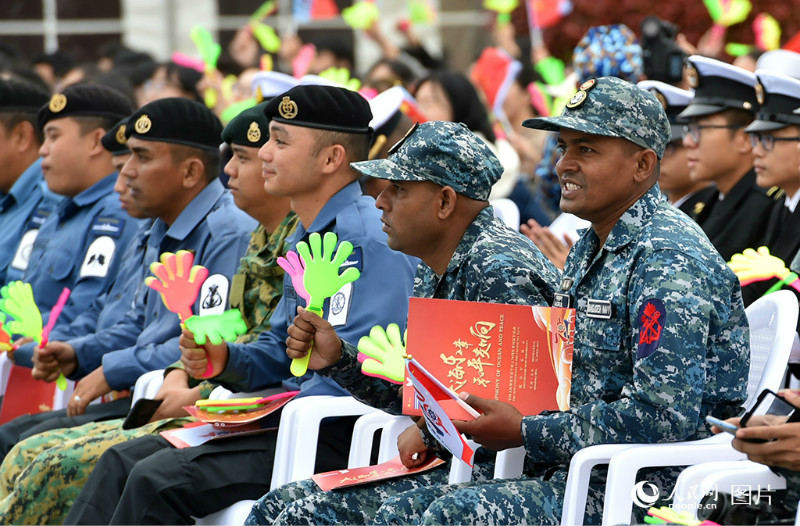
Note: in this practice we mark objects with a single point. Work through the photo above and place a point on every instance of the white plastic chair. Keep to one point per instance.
(506, 211)
(298, 434)
(723, 476)
(295, 451)
(772, 321)
(364, 432)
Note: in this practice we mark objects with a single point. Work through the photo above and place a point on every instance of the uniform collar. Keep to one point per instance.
(196, 211)
(97, 191)
(348, 194)
(791, 202)
(480, 224)
(24, 184)
(627, 227)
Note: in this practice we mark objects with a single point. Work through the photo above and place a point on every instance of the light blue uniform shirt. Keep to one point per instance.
(147, 337)
(22, 211)
(78, 247)
(378, 297)
(109, 308)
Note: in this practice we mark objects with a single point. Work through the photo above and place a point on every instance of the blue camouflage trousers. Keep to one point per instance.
(425, 499)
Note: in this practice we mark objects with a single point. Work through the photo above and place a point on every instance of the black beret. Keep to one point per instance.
(85, 100)
(114, 140)
(323, 107)
(177, 120)
(21, 96)
(249, 128)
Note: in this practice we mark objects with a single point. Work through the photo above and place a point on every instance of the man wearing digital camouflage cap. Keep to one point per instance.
(435, 207)
(660, 338)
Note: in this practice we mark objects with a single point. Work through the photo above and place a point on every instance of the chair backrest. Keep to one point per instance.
(773, 322)
(506, 211)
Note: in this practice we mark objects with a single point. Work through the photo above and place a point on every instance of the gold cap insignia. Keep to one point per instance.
(746, 105)
(396, 146)
(577, 99)
(254, 132)
(589, 84)
(120, 136)
(287, 108)
(143, 124)
(660, 97)
(759, 93)
(58, 102)
(692, 76)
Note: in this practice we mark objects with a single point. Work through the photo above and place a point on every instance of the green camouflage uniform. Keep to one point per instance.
(661, 340)
(43, 474)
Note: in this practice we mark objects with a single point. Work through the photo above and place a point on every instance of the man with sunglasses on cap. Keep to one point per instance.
(719, 151)
(660, 336)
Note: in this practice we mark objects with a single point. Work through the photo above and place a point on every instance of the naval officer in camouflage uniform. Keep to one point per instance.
(661, 334)
(436, 208)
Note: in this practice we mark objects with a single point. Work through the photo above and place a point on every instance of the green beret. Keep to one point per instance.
(249, 128)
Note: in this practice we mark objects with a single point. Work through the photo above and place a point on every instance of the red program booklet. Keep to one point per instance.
(513, 353)
(343, 478)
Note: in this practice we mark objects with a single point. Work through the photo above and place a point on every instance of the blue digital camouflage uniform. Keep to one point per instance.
(43, 474)
(491, 263)
(22, 211)
(661, 341)
(173, 484)
(78, 246)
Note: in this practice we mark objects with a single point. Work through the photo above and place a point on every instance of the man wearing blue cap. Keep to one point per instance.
(25, 201)
(719, 151)
(314, 134)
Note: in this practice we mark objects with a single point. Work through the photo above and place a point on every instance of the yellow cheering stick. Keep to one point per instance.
(321, 278)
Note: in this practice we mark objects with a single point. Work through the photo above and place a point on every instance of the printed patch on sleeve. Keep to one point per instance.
(214, 295)
(23, 254)
(652, 316)
(107, 226)
(98, 258)
(356, 261)
(339, 305)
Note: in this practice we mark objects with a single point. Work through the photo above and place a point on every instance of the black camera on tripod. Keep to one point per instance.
(663, 59)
